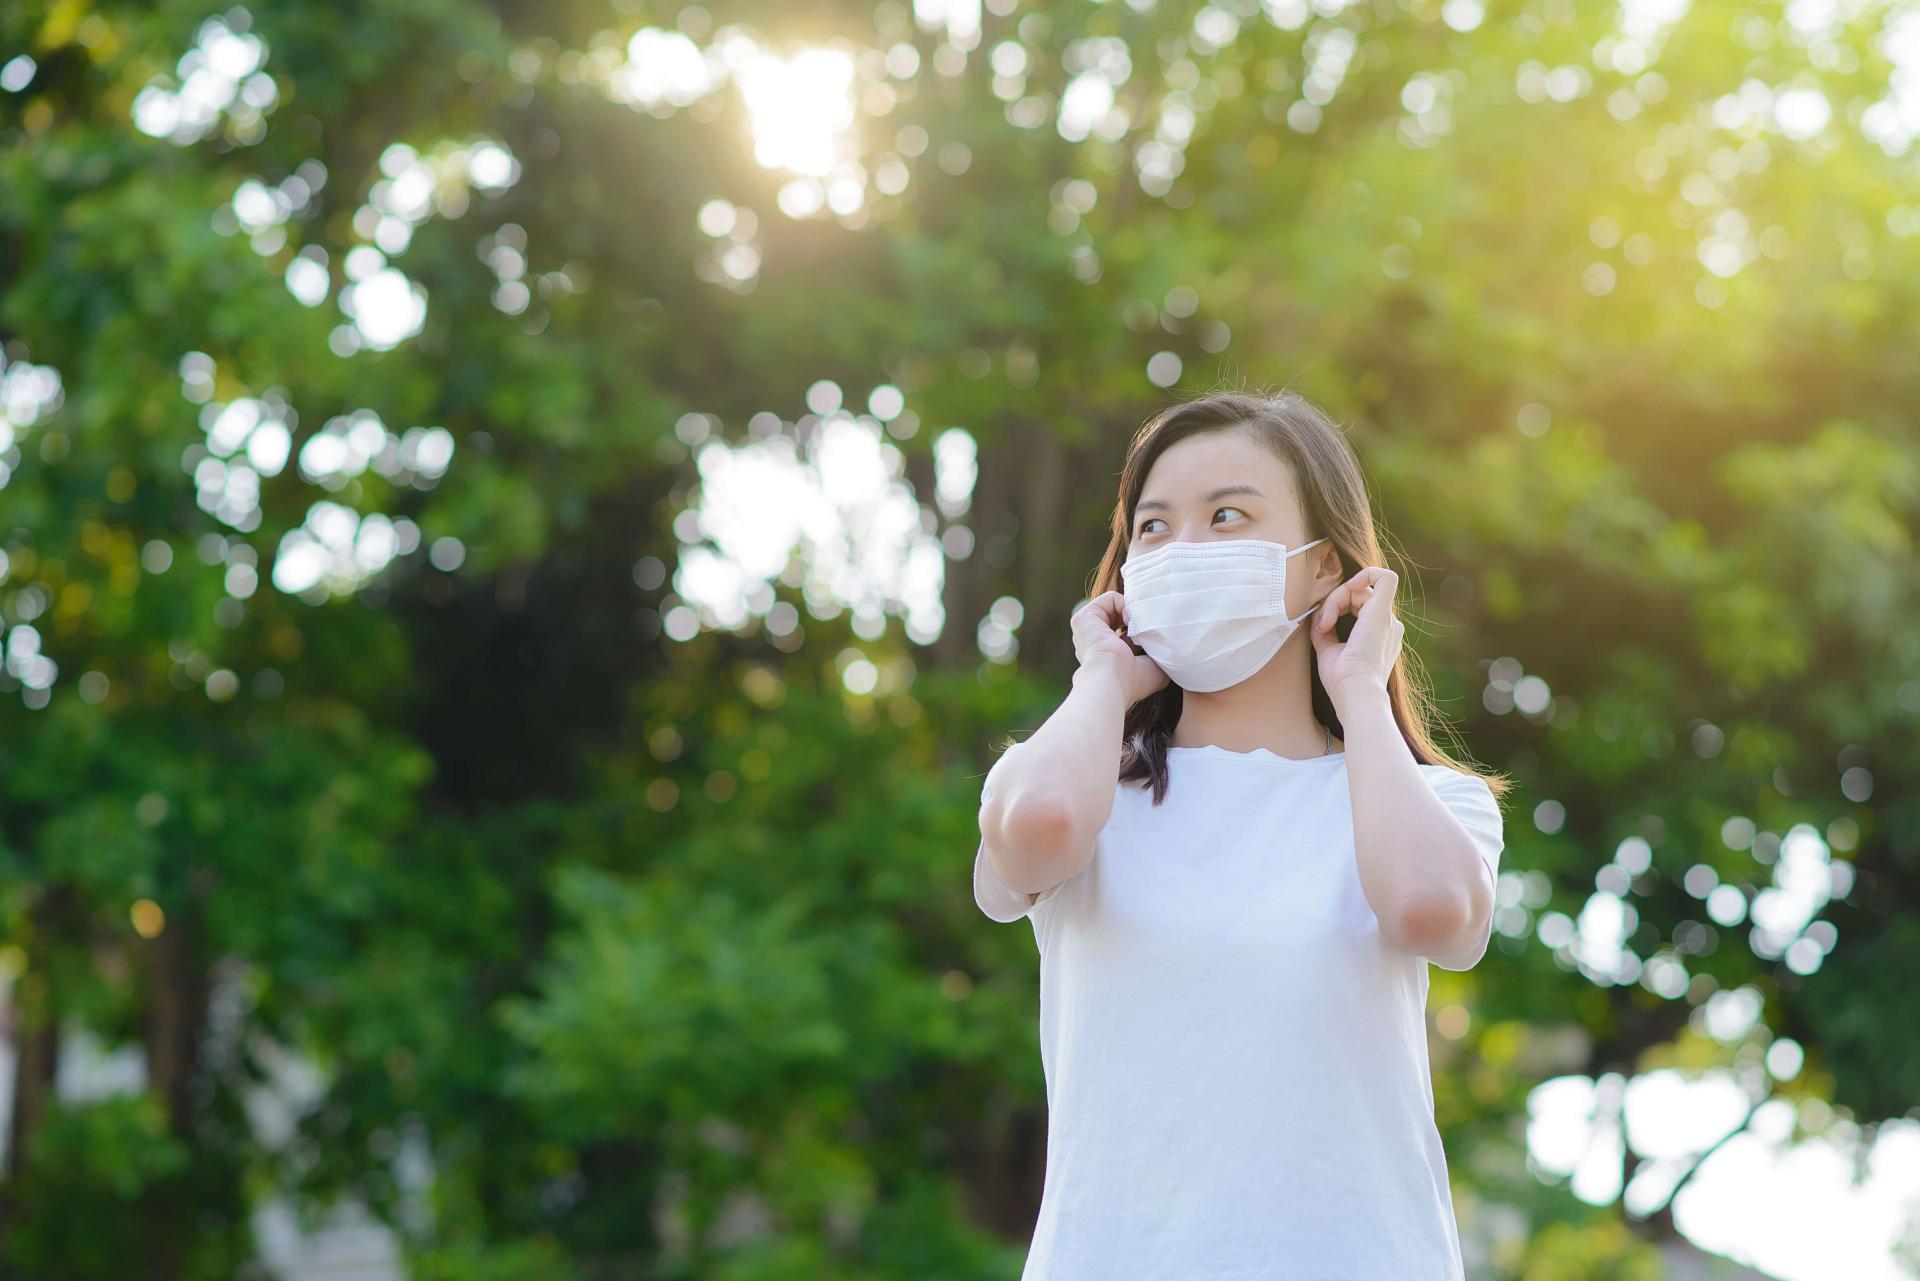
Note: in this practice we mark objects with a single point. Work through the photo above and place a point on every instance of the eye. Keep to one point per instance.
(1142, 530)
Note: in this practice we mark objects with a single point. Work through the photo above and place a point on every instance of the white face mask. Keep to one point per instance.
(1212, 613)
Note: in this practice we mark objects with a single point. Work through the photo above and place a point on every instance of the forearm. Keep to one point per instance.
(1418, 867)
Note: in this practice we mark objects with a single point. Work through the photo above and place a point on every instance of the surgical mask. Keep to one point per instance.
(1210, 614)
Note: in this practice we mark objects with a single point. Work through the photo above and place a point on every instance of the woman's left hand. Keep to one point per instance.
(1363, 661)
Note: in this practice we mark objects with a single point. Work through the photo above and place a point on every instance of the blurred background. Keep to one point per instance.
(522, 526)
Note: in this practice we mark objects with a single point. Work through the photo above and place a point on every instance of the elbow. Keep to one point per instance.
(1032, 840)
(1041, 824)
(1442, 924)
(1445, 916)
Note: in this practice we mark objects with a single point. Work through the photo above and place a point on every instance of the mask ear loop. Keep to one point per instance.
(1323, 600)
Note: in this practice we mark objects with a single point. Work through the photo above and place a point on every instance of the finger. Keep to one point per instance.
(1088, 625)
(1372, 576)
(1349, 597)
(1105, 609)
(1362, 597)
(1334, 605)
(1380, 585)
(1325, 612)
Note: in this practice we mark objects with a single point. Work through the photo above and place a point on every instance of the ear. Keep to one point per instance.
(1328, 570)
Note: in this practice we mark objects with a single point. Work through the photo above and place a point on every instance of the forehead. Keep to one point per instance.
(1189, 470)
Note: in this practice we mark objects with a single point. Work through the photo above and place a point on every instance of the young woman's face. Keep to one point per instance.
(1219, 484)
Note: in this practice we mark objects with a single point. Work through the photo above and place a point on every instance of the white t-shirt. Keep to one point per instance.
(1236, 1062)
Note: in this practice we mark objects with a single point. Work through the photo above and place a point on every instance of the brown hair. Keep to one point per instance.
(1334, 495)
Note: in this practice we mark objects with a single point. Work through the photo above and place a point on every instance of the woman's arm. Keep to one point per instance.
(1040, 811)
(1419, 867)
(1049, 796)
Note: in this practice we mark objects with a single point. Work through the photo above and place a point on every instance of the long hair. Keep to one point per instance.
(1335, 496)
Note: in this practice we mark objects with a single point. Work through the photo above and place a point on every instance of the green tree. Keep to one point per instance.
(360, 365)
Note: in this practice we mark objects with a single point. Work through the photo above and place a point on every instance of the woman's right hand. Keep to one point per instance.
(1100, 647)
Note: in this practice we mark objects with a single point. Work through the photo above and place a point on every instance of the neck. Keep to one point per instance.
(1273, 709)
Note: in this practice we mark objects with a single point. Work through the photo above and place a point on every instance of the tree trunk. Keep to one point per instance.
(176, 1016)
(36, 1026)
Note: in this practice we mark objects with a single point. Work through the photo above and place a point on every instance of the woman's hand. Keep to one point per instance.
(1361, 663)
(1100, 647)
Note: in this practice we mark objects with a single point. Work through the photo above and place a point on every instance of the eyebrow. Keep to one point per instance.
(1211, 496)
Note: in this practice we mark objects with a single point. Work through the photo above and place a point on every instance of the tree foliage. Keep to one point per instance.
(361, 367)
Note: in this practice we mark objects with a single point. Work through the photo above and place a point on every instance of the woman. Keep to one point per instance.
(1239, 849)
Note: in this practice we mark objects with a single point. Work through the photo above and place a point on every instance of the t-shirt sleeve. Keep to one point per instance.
(1469, 799)
(1000, 901)
(995, 897)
